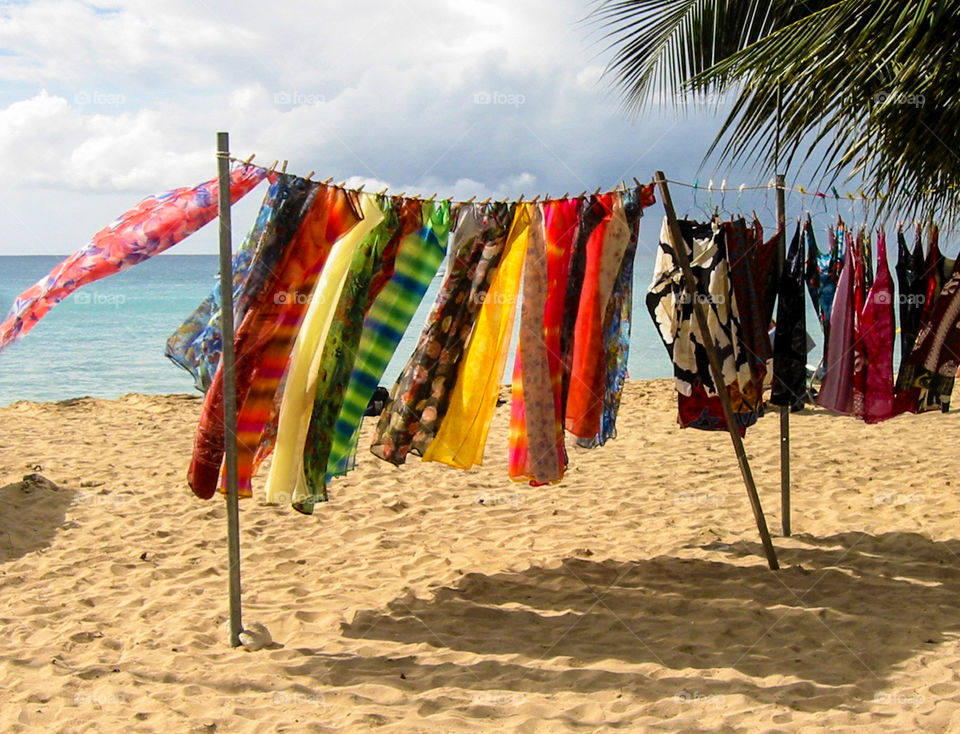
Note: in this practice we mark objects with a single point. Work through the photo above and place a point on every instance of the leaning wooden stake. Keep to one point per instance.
(679, 247)
(784, 409)
(229, 387)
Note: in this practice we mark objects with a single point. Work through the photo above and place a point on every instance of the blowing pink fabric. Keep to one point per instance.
(154, 225)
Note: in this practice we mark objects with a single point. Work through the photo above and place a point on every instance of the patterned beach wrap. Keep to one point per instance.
(156, 224)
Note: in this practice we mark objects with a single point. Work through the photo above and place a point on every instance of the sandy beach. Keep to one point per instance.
(632, 596)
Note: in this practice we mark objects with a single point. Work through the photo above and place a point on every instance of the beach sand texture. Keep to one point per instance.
(633, 596)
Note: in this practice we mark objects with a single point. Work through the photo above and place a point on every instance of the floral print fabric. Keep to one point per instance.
(156, 224)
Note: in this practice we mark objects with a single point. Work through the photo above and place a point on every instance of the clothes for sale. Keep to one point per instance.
(790, 342)
(155, 225)
(878, 325)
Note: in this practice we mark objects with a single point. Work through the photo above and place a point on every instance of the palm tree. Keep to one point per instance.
(871, 86)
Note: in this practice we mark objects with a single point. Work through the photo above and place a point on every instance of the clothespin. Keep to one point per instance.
(249, 160)
(597, 192)
(432, 197)
(283, 168)
(566, 195)
(382, 193)
(470, 200)
(836, 195)
(273, 167)
(486, 201)
(360, 188)
(327, 182)
(801, 189)
(637, 182)
(534, 199)
(520, 200)
(309, 175)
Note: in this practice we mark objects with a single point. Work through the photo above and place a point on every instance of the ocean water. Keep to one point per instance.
(107, 339)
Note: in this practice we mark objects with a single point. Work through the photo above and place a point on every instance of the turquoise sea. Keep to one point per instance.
(107, 339)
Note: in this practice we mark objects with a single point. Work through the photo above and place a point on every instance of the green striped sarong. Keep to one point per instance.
(418, 259)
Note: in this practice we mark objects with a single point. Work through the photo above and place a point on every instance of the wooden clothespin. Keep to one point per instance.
(520, 200)
(327, 182)
(309, 175)
(486, 201)
(637, 182)
(566, 195)
(283, 168)
(534, 199)
(432, 197)
(597, 192)
(470, 200)
(273, 166)
(360, 188)
(249, 160)
(383, 193)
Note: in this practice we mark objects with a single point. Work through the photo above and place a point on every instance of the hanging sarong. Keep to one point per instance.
(836, 392)
(912, 293)
(561, 223)
(340, 350)
(208, 447)
(421, 395)
(859, 386)
(592, 213)
(822, 275)
(285, 480)
(877, 324)
(585, 395)
(532, 451)
(616, 330)
(790, 341)
(357, 392)
(463, 433)
(156, 224)
(332, 215)
(926, 381)
(418, 258)
(196, 345)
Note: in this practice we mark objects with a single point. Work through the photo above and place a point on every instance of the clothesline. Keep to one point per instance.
(711, 188)
(622, 186)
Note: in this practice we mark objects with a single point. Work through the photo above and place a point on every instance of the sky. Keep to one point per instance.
(102, 104)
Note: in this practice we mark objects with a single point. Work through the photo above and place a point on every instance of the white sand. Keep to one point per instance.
(631, 596)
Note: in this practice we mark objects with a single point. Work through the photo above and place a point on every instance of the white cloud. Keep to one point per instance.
(486, 97)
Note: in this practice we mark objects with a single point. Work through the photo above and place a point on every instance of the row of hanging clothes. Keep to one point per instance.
(857, 306)
(327, 282)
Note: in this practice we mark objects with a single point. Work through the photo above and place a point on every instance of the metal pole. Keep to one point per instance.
(679, 247)
(229, 387)
(784, 409)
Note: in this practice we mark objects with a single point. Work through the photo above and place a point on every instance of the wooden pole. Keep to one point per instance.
(229, 387)
(784, 409)
(716, 370)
